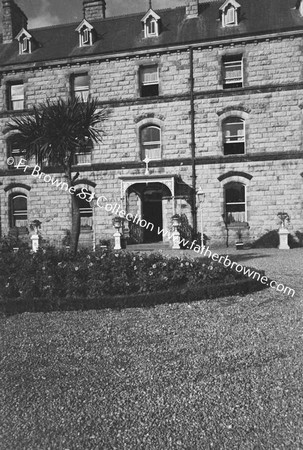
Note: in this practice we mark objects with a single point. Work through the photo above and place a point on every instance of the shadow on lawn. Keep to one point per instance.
(147, 300)
(245, 256)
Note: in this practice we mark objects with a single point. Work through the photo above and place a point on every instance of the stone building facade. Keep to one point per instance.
(211, 94)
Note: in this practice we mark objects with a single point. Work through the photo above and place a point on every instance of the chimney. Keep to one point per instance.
(94, 9)
(14, 20)
(192, 9)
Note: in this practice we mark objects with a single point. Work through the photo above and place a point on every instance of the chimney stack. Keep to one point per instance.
(94, 9)
(192, 9)
(14, 20)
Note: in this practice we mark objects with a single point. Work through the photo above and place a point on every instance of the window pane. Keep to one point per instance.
(86, 34)
(83, 158)
(19, 203)
(81, 81)
(86, 211)
(230, 15)
(232, 68)
(149, 75)
(235, 193)
(151, 26)
(153, 152)
(81, 87)
(16, 96)
(233, 71)
(17, 91)
(235, 203)
(150, 134)
(19, 211)
(234, 130)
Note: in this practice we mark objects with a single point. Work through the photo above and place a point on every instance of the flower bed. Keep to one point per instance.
(55, 278)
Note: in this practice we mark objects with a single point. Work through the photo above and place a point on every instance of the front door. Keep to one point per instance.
(152, 213)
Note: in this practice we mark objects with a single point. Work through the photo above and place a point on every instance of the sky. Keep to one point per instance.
(51, 12)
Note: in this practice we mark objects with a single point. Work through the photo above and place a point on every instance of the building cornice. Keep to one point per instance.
(175, 163)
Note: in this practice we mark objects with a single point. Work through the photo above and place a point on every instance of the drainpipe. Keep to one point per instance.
(193, 141)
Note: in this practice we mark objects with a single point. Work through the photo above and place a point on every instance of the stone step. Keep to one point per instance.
(148, 247)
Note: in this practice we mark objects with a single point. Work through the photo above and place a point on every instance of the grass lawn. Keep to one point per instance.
(224, 374)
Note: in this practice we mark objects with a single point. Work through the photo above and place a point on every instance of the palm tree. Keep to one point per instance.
(54, 132)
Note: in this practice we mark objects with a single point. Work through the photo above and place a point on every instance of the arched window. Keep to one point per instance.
(150, 139)
(230, 11)
(86, 33)
(151, 26)
(235, 203)
(85, 208)
(18, 210)
(230, 15)
(234, 136)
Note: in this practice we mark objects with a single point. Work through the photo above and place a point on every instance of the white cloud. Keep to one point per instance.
(44, 17)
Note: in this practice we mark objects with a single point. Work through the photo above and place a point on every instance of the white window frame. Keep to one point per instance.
(80, 89)
(25, 42)
(15, 153)
(144, 146)
(150, 23)
(235, 63)
(151, 82)
(230, 16)
(229, 13)
(86, 210)
(234, 139)
(17, 98)
(25, 45)
(236, 203)
(21, 212)
(85, 37)
(87, 160)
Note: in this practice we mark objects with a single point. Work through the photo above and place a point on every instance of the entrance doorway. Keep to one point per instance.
(148, 200)
(152, 213)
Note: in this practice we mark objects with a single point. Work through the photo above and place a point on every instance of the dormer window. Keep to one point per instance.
(25, 42)
(151, 22)
(24, 45)
(85, 30)
(230, 11)
(86, 36)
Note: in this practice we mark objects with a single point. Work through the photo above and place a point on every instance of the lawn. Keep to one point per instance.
(223, 374)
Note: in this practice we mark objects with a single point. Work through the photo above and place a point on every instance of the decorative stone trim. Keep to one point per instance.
(235, 174)
(17, 186)
(85, 181)
(231, 109)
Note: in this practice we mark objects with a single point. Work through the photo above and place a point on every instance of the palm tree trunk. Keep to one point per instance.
(75, 232)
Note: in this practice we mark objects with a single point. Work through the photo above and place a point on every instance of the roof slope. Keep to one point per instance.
(124, 34)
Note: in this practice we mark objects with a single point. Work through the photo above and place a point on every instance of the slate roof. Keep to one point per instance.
(124, 34)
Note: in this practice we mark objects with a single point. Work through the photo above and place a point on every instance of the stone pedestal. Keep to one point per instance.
(176, 240)
(283, 236)
(117, 237)
(35, 242)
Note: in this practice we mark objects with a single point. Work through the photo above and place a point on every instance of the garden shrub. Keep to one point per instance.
(51, 273)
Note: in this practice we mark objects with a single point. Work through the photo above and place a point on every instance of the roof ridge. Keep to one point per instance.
(106, 19)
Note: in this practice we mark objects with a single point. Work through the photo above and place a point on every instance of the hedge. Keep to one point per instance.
(52, 280)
